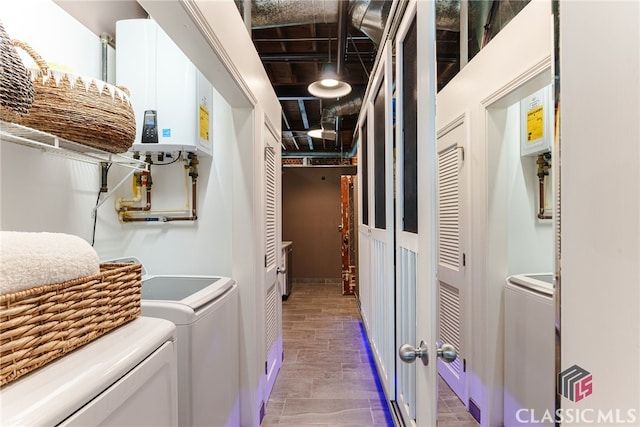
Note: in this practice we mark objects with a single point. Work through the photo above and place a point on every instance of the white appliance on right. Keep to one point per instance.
(529, 342)
(204, 310)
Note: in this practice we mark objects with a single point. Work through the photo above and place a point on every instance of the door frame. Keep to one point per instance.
(426, 289)
(406, 244)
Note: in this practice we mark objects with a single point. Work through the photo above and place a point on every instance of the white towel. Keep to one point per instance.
(28, 260)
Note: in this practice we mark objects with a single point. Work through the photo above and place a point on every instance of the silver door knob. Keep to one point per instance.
(409, 353)
(280, 270)
(447, 353)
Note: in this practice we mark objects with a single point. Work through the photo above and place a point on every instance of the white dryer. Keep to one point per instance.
(127, 377)
(205, 312)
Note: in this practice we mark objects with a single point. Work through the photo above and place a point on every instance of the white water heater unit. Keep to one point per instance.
(171, 99)
(537, 112)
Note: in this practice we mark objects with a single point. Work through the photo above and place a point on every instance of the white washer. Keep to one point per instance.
(529, 350)
(205, 312)
(127, 377)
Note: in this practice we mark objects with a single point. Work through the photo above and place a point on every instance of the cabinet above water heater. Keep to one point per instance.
(172, 100)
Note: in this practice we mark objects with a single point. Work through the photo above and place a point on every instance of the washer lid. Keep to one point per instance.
(192, 291)
(542, 283)
(48, 395)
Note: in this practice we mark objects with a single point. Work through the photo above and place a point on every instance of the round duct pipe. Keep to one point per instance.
(368, 16)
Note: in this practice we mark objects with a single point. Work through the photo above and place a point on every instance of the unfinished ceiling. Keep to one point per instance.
(295, 39)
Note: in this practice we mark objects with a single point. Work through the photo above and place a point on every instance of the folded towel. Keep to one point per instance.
(28, 260)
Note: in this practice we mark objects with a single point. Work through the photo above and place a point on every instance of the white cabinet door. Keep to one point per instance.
(272, 259)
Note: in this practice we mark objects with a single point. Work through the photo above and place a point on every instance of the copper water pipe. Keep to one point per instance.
(193, 172)
(194, 213)
(543, 171)
(147, 206)
(149, 182)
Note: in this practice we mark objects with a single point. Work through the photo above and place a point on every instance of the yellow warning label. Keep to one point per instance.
(535, 123)
(204, 123)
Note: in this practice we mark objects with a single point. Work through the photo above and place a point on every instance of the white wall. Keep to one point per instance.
(42, 192)
(54, 34)
(228, 236)
(600, 213)
(513, 196)
(493, 80)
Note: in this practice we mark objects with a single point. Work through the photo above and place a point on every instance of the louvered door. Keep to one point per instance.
(272, 305)
(451, 259)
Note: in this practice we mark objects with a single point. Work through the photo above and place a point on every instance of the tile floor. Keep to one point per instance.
(328, 377)
(451, 411)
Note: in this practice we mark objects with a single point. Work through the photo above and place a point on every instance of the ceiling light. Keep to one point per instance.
(322, 134)
(329, 84)
(335, 90)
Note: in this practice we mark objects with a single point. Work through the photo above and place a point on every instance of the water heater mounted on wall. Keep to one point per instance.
(537, 111)
(172, 100)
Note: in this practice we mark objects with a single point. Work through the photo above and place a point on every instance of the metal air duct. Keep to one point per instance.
(368, 16)
(278, 13)
(345, 107)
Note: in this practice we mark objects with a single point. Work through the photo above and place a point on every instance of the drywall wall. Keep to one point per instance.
(43, 192)
(600, 212)
(310, 219)
(513, 197)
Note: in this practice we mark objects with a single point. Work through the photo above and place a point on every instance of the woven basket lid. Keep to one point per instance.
(16, 87)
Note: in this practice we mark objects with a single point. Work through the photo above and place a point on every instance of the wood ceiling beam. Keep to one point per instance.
(312, 57)
(303, 114)
(283, 46)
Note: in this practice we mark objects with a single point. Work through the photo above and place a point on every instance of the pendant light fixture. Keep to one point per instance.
(322, 134)
(329, 84)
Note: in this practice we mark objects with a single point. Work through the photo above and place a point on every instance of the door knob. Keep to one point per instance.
(447, 353)
(281, 270)
(409, 353)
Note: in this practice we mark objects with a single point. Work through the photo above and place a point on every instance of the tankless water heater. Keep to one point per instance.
(171, 99)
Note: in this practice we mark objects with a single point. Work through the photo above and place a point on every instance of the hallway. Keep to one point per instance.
(323, 381)
(328, 377)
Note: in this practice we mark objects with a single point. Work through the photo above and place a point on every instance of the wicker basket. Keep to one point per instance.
(80, 109)
(41, 324)
(16, 88)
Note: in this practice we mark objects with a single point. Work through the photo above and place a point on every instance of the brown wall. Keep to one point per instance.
(310, 219)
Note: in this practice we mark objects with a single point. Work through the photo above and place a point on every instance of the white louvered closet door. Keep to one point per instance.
(451, 259)
(273, 307)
